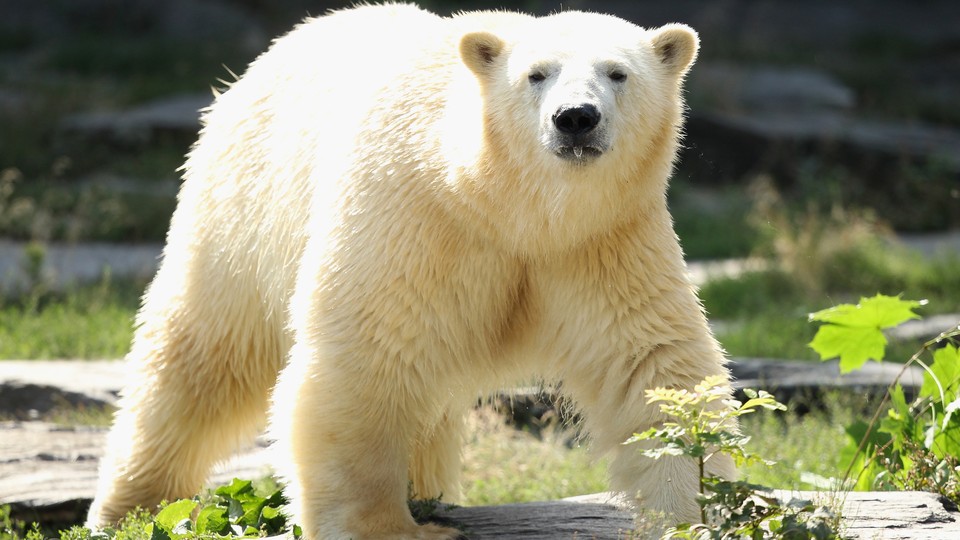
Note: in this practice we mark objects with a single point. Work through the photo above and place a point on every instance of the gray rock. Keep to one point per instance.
(80, 263)
(907, 172)
(31, 401)
(830, 129)
(47, 466)
(178, 116)
(201, 20)
(49, 473)
(734, 87)
(534, 408)
(895, 515)
(786, 378)
(101, 380)
(796, 28)
(884, 515)
(98, 381)
(934, 244)
(865, 516)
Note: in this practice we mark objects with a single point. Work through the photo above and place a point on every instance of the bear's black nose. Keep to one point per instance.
(576, 119)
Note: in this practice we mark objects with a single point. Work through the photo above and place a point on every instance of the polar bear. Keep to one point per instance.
(397, 213)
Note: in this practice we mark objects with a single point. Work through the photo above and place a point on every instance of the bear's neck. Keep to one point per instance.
(538, 212)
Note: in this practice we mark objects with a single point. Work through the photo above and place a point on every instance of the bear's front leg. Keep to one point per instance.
(348, 441)
(612, 399)
(623, 318)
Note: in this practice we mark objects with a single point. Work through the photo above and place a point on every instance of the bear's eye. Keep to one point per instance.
(617, 76)
(536, 76)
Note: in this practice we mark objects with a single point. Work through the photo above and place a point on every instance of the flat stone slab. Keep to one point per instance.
(46, 467)
(48, 472)
(728, 86)
(895, 515)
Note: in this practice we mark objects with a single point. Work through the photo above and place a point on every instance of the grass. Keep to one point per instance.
(805, 448)
(81, 416)
(93, 321)
(769, 335)
(763, 314)
(503, 465)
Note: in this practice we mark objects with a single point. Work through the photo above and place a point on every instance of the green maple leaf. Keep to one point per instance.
(854, 333)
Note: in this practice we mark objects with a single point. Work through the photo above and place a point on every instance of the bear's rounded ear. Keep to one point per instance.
(478, 51)
(676, 46)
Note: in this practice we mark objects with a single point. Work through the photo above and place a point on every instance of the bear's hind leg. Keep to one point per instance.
(199, 390)
(350, 444)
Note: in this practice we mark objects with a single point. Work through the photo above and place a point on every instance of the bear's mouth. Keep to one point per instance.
(578, 154)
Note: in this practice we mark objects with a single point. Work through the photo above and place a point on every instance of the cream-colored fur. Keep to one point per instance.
(384, 211)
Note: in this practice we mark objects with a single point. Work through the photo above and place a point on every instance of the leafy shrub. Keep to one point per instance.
(236, 510)
(916, 444)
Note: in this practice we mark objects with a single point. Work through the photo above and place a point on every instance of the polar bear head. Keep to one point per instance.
(581, 89)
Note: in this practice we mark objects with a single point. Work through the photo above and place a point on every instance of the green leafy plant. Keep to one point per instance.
(702, 424)
(237, 510)
(916, 444)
